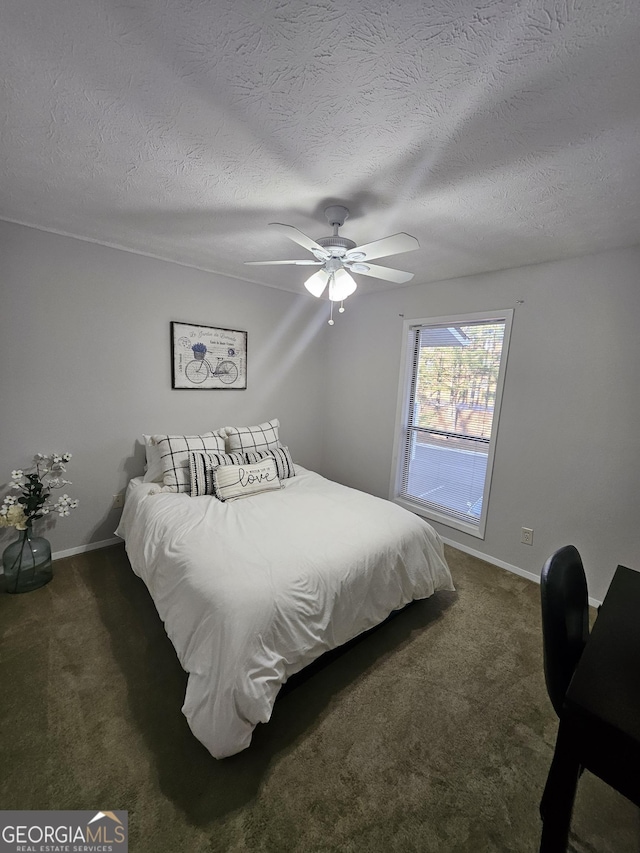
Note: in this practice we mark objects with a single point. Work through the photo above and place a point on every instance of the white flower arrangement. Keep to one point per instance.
(35, 486)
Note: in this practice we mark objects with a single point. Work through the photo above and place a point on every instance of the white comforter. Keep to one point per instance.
(251, 591)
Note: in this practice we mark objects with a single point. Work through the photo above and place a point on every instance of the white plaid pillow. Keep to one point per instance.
(174, 455)
(153, 470)
(239, 481)
(284, 462)
(202, 467)
(253, 438)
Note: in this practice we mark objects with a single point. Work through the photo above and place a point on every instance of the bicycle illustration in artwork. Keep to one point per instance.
(199, 369)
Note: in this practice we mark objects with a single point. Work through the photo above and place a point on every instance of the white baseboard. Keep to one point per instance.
(516, 570)
(92, 546)
(501, 564)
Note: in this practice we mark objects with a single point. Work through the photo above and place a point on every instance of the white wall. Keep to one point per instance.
(85, 355)
(567, 458)
(84, 347)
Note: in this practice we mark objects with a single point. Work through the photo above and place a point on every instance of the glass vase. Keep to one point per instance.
(27, 563)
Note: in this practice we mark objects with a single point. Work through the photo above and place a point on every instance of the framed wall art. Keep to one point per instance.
(206, 358)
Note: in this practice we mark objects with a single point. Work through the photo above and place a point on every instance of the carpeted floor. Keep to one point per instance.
(432, 734)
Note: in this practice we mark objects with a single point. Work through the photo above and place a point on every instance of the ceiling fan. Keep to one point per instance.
(339, 256)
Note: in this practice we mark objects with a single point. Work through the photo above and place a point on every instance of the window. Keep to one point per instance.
(449, 402)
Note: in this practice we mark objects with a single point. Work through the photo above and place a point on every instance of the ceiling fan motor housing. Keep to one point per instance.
(336, 242)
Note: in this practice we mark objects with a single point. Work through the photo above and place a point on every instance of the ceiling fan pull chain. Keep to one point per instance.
(331, 314)
(341, 308)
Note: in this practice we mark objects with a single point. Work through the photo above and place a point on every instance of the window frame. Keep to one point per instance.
(402, 415)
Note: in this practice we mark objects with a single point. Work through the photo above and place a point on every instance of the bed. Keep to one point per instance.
(251, 591)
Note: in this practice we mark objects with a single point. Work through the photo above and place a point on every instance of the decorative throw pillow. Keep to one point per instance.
(284, 462)
(174, 455)
(253, 438)
(239, 481)
(202, 467)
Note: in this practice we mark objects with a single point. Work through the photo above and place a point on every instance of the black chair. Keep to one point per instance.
(565, 625)
(565, 619)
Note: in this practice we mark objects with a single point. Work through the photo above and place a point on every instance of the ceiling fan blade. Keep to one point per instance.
(341, 286)
(299, 238)
(393, 245)
(397, 276)
(299, 263)
(316, 283)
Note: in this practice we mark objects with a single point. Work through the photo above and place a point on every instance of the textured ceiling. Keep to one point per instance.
(499, 133)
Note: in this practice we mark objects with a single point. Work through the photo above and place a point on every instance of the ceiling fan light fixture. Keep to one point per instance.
(341, 286)
(316, 283)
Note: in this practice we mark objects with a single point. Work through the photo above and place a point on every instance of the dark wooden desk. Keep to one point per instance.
(600, 723)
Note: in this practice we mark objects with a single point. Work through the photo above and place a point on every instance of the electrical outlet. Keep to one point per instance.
(118, 501)
(527, 536)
